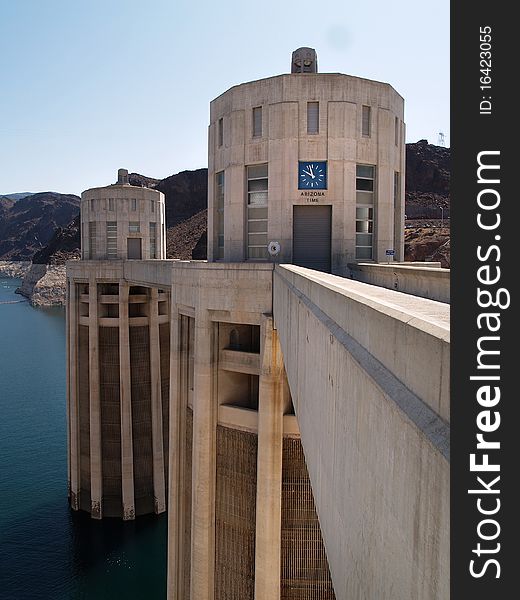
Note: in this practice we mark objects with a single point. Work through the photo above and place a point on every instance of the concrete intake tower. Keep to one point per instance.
(118, 348)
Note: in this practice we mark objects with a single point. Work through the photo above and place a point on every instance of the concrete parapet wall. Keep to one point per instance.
(368, 370)
(408, 335)
(232, 279)
(426, 281)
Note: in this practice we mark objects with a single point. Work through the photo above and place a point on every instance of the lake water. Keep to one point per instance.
(46, 551)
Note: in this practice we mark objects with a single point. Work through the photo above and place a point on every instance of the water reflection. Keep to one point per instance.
(112, 558)
(57, 554)
(46, 551)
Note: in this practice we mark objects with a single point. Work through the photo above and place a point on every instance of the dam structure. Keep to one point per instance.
(285, 402)
(118, 358)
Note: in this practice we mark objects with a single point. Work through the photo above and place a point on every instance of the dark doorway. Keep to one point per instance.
(312, 237)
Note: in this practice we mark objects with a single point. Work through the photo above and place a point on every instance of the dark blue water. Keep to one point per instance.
(46, 551)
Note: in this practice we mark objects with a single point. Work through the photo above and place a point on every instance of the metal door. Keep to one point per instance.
(312, 237)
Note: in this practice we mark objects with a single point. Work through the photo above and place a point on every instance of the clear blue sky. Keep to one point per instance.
(89, 86)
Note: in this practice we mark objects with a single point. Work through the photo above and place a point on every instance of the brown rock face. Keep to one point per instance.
(427, 200)
(443, 254)
(186, 199)
(427, 168)
(427, 181)
(28, 224)
(183, 240)
(428, 244)
(63, 246)
(142, 180)
(185, 193)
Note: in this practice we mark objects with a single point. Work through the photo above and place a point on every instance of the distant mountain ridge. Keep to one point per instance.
(28, 224)
(17, 196)
(186, 193)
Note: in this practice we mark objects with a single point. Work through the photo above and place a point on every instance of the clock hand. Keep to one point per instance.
(312, 172)
(307, 173)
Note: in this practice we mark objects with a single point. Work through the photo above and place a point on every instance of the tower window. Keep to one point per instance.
(257, 121)
(153, 240)
(92, 240)
(133, 203)
(257, 187)
(313, 117)
(219, 214)
(234, 340)
(397, 187)
(365, 121)
(84, 235)
(396, 131)
(220, 132)
(133, 227)
(111, 239)
(111, 204)
(365, 177)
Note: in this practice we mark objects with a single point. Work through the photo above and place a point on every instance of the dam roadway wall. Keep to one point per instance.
(368, 370)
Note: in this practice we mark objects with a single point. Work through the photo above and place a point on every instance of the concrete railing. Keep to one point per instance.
(236, 287)
(368, 370)
(414, 278)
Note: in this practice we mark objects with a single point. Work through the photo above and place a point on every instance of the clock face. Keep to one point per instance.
(312, 175)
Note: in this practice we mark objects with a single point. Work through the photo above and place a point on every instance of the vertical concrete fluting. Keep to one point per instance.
(72, 404)
(157, 422)
(96, 486)
(269, 469)
(399, 208)
(67, 386)
(127, 452)
(175, 573)
(203, 513)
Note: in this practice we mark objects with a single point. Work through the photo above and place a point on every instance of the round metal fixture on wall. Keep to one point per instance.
(274, 248)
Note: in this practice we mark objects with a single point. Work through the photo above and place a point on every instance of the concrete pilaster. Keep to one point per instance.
(269, 469)
(96, 482)
(67, 381)
(127, 452)
(203, 498)
(72, 387)
(384, 204)
(176, 459)
(399, 208)
(157, 421)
